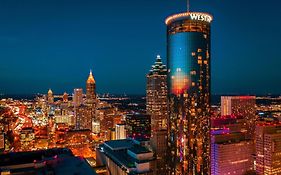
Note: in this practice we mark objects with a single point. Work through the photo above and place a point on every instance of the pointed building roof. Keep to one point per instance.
(50, 91)
(91, 78)
(158, 67)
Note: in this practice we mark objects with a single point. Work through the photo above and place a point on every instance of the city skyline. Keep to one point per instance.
(54, 44)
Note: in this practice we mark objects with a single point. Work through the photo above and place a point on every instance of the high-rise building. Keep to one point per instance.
(188, 59)
(157, 108)
(231, 153)
(91, 101)
(120, 131)
(77, 97)
(268, 148)
(241, 106)
(83, 117)
(156, 95)
(90, 89)
(65, 97)
(95, 127)
(138, 126)
(50, 96)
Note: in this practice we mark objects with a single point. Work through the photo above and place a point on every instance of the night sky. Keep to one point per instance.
(54, 43)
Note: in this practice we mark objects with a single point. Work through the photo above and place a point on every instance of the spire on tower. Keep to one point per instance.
(91, 78)
(188, 5)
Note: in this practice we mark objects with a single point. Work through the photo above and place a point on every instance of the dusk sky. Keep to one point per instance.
(54, 43)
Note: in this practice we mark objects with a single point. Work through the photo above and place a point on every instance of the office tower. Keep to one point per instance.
(83, 118)
(120, 131)
(90, 89)
(188, 59)
(138, 126)
(77, 97)
(95, 126)
(268, 148)
(158, 144)
(50, 96)
(125, 157)
(231, 153)
(65, 97)
(241, 106)
(156, 95)
(91, 97)
(157, 108)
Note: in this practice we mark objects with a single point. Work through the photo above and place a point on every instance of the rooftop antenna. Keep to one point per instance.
(188, 5)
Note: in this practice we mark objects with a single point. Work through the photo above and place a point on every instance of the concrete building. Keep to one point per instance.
(268, 148)
(125, 157)
(231, 153)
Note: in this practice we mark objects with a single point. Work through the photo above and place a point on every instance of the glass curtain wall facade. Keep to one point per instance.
(188, 58)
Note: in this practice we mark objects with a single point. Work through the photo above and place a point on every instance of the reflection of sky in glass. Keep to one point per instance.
(181, 62)
(178, 62)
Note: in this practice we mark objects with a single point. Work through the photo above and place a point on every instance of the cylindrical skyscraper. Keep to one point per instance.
(188, 58)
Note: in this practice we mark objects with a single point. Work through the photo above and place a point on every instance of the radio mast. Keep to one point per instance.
(188, 5)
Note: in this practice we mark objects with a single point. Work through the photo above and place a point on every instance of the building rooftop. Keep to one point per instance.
(51, 161)
(116, 150)
(137, 149)
(119, 144)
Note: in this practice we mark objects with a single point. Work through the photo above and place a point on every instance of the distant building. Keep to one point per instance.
(83, 117)
(91, 89)
(268, 148)
(2, 141)
(231, 153)
(50, 96)
(120, 131)
(65, 97)
(95, 126)
(78, 97)
(157, 95)
(138, 126)
(241, 106)
(125, 157)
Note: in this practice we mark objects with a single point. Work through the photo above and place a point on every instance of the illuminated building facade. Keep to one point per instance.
(241, 106)
(120, 131)
(50, 96)
(157, 108)
(188, 58)
(231, 153)
(65, 97)
(91, 89)
(138, 126)
(83, 118)
(156, 95)
(77, 97)
(268, 149)
(91, 98)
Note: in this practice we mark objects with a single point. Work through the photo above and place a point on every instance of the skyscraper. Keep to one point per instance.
(90, 89)
(224, 160)
(91, 98)
(241, 106)
(138, 126)
(156, 95)
(268, 148)
(77, 97)
(157, 108)
(50, 96)
(188, 58)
